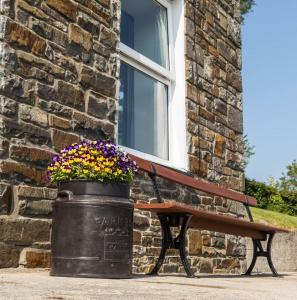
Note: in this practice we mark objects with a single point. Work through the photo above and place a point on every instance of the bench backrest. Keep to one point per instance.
(185, 179)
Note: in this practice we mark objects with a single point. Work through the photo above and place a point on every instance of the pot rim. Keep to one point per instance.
(87, 187)
(93, 181)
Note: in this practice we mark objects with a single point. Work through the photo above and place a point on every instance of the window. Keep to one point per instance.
(151, 97)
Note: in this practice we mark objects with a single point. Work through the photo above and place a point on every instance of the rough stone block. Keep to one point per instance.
(9, 256)
(95, 9)
(218, 242)
(55, 121)
(15, 169)
(24, 38)
(235, 119)
(92, 128)
(205, 266)
(43, 64)
(108, 38)
(8, 107)
(33, 114)
(96, 105)
(229, 263)
(46, 92)
(12, 128)
(235, 247)
(195, 242)
(99, 82)
(31, 154)
(136, 237)
(140, 222)
(80, 36)
(66, 7)
(24, 231)
(31, 9)
(55, 108)
(35, 258)
(220, 144)
(25, 191)
(71, 95)
(4, 146)
(88, 24)
(36, 208)
(17, 88)
(61, 139)
(221, 107)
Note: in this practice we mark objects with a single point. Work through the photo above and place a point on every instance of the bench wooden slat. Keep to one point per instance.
(212, 221)
(190, 182)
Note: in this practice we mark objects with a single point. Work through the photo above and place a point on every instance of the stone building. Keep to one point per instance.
(162, 77)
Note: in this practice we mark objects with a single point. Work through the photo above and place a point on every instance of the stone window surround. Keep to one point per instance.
(173, 78)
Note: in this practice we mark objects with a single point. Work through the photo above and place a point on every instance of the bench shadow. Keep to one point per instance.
(230, 276)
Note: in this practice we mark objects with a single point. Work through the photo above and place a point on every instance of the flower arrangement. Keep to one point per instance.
(101, 161)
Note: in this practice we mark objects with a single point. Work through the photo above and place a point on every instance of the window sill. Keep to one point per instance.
(154, 159)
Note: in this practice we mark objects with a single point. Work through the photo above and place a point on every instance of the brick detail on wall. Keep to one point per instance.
(59, 69)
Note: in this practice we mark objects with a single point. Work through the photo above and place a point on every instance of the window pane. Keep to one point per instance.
(144, 28)
(143, 113)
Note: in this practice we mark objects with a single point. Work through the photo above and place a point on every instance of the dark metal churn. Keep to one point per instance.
(92, 230)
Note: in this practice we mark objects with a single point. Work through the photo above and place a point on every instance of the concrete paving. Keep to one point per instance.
(37, 284)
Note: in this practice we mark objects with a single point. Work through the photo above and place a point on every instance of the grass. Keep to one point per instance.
(274, 218)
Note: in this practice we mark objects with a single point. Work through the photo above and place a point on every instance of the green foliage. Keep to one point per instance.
(248, 151)
(277, 195)
(246, 6)
(261, 191)
(288, 181)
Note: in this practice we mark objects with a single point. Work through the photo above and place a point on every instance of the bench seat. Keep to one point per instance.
(174, 214)
(206, 220)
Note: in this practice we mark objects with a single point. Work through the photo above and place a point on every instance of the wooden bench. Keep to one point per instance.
(173, 214)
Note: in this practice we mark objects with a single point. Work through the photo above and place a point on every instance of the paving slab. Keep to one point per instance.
(37, 284)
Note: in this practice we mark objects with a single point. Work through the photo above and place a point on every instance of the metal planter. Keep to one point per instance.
(92, 230)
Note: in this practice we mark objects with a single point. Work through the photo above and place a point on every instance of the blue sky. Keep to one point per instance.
(270, 86)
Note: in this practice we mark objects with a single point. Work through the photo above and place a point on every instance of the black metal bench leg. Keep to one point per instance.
(269, 259)
(177, 243)
(254, 260)
(258, 251)
(181, 240)
(166, 242)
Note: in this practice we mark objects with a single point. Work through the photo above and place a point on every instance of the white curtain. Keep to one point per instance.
(160, 121)
(161, 44)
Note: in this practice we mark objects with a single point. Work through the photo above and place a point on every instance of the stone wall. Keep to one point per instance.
(58, 85)
(59, 80)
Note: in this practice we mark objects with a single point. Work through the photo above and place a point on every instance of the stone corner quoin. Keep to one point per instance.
(59, 76)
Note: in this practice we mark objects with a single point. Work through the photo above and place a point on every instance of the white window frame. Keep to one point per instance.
(173, 78)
